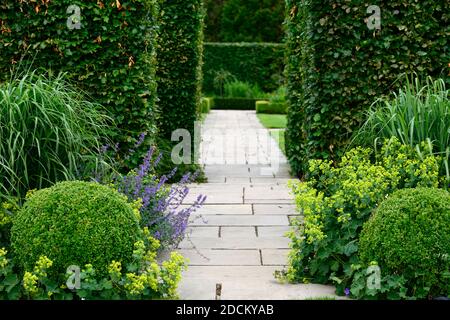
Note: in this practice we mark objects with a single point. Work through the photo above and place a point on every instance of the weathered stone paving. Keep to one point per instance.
(238, 237)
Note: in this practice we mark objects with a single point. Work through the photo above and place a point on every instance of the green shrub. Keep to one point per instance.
(409, 235)
(8, 209)
(75, 223)
(206, 105)
(337, 66)
(180, 49)
(49, 132)
(143, 278)
(240, 89)
(111, 57)
(270, 107)
(279, 96)
(418, 112)
(258, 63)
(234, 103)
(236, 20)
(338, 199)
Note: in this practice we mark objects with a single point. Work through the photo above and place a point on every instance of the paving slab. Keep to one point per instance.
(210, 257)
(238, 232)
(223, 209)
(270, 232)
(268, 201)
(235, 243)
(274, 257)
(239, 220)
(225, 198)
(245, 283)
(194, 232)
(283, 209)
(273, 180)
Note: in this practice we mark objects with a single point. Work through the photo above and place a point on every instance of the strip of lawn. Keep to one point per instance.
(273, 121)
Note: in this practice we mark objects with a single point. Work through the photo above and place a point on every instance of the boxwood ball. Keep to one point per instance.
(75, 223)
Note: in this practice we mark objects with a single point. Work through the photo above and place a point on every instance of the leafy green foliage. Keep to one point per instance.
(111, 57)
(49, 133)
(270, 107)
(250, 21)
(339, 198)
(240, 89)
(180, 49)
(337, 65)
(8, 209)
(234, 103)
(409, 234)
(257, 63)
(75, 223)
(141, 278)
(206, 105)
(418, 112)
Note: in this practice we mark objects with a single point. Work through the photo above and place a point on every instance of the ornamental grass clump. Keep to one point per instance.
(420, 111)
(47, 130)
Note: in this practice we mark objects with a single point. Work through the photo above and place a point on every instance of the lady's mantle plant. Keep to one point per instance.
(337, 200)
(142, 278)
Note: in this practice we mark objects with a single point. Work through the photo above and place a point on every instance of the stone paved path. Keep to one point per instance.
(238, 237)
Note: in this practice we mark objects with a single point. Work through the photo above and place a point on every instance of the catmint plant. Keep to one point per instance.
(160, 203)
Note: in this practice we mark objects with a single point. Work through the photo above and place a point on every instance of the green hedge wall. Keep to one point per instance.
(257, 63)
(111, 56)
(249, 21)
(179, 64)
(270, 107)
(252, 21)
(337, 67)
(234, 103)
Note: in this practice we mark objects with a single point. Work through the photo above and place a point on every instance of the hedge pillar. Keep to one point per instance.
(180, 49)
(339, 64)
(107, 48)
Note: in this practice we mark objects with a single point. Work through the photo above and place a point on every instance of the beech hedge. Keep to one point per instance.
(180, 50)
(339, 63)
(107, 48)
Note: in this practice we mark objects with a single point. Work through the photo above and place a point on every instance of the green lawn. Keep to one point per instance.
(278, 135)
(273, 121)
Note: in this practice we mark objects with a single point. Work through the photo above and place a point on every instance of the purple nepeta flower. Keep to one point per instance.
(140, 140)
(162, 211)
(347, 292)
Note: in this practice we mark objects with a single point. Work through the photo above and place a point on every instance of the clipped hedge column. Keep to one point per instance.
(339, 63)
(180, 49)
(107, 48)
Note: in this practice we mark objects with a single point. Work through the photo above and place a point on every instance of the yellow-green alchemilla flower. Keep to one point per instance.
(30, 283)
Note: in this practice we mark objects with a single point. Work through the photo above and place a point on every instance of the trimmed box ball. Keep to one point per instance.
(75, 223)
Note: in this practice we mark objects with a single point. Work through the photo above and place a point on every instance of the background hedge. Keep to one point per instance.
(337, 67)
(179, 64)
(235, 103)
(111, 57)
(256, 63)
(270, 107)
(250, 20)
